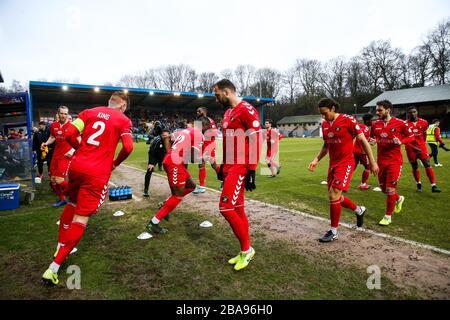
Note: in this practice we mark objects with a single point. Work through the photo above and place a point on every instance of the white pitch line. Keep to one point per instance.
(346, 225)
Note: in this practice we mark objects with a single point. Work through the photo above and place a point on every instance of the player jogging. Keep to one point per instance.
(390, 133)
(339, 130)
(360, 155)
(61, 155)
(417, 150)
(101, 129)
(272, 136)
(242, 138)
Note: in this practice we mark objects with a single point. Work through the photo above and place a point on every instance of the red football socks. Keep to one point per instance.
(365, 176)
(202, 176)
(430, 174)
(73, 236)
(335, 212)
(239, 227)
(169, 206)
(65, 221)
(347, 203)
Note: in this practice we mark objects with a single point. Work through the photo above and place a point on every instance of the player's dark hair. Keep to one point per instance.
(435, 120)
(367, 117)
(225, 84)
(205, 110)
(386, 104)
(269, 121)
(122, 95)
(165, 130)
(41, 123)
(328, 103)
(205, 122)
(411, 108)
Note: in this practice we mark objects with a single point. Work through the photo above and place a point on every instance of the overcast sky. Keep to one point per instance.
(99, 41)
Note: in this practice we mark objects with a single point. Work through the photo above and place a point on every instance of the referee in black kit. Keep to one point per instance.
(156, 153)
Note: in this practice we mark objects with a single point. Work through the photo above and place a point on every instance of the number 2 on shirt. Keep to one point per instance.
(96, 125)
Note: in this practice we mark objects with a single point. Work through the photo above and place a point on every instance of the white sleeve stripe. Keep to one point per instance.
(125, 134)
(196, 148)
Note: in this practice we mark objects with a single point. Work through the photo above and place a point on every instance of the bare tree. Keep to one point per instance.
(244, 75)
(268, 83)
(16, 86)
(383, 65)
(206, 80)
(438, 47)
(291, 83)
(419, 66)
(126, 81)
(333, 78)
(309, 75)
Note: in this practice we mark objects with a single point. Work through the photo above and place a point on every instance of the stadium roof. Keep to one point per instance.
(414, 96)
(90, 95)
(300, 119)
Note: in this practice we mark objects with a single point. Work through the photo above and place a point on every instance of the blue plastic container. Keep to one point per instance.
(9, 196)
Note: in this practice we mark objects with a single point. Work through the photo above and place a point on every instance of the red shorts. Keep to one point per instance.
(363, 159)
(233, 191)
(86, 192)
(209, 151)
(177, 174)
(339, 176)
(413, 156)
(59, 167)
(389, 175)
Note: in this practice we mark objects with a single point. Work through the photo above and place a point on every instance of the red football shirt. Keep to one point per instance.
(338, 136)
(58, 130)
(211, 134)
(103, 128)
(384, 133)
(419, 129)
(358, 148)
(241, 138)
(185, 139)
(272, 136)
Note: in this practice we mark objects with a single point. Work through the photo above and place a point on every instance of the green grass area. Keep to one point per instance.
(424, 217)
(186, 263)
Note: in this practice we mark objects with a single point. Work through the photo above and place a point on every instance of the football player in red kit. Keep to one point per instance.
(90, 169)
(208, 150)
(417, 150)
(61, 155)
(339, 130)
(360, 155)
(242, 139)
(272, 136)
(390, 133)
(185, 149)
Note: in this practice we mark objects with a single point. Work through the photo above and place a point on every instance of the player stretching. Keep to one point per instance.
(418, 149)
(242, 138)
(390, 133)
(101, 129)
(360, 155)
(273, 137)
(185, 149)
(61, 155)
(339, 130)
(208, 150)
